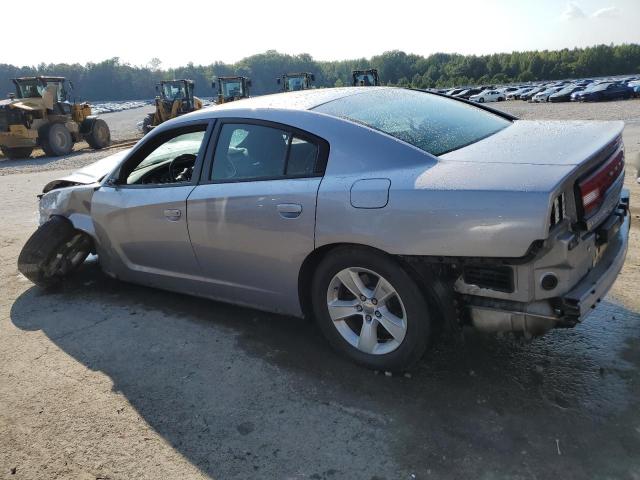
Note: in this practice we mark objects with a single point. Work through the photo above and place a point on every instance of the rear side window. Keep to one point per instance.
(302, 157)
(429, 122)
(246, 151)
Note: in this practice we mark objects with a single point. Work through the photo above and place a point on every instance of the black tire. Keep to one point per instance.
(53, 251)
(17, 153)
(418, 320)
(147, 123)
(481, 100)
(99, 135)
(55, 140)
(501, 99)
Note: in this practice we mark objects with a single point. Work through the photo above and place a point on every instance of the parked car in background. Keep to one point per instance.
(528, 95)
(635, 87)
(467, 93)
(564, 94)
(454, 91)
(488, 96)
(543, 96)
(507, 90)
(289, 203)
(516, 94)
(603, 91)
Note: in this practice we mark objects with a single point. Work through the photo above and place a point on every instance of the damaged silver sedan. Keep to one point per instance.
(384, 213)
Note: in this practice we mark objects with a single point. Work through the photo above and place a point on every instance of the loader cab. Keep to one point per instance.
(291, 82)
(177, 90)
(35, 87)
(231, 88)
(365, 78)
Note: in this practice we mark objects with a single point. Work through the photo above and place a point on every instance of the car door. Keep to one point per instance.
(252, 218)
(139, 213)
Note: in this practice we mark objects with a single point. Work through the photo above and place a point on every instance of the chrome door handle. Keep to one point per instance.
(289, 210)
(172, 214)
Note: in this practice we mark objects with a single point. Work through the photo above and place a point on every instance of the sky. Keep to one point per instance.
(206, 31)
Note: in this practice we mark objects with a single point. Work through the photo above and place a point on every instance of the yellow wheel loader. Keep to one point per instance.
(231, 88)
(174, 98)
(39, 114)
(291, 82)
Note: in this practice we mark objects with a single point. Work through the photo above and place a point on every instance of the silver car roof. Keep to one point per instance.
(299, 100)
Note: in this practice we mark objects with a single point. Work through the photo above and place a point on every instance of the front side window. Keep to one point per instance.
(171, 161)
(429, 122)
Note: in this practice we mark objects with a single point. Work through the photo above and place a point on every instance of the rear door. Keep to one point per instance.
(252, 218)
(140, 213)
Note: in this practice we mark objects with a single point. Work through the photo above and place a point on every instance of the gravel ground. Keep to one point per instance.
(106, 380)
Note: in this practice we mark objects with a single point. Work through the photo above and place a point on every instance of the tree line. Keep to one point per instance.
(113, 79)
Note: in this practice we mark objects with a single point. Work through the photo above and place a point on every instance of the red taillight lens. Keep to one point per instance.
(594, 188)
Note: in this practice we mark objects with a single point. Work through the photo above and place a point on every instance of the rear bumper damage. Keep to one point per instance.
(609, 244)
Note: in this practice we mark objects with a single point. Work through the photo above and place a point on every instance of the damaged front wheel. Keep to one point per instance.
(53, 251)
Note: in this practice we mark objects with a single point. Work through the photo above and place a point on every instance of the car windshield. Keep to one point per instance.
(568, 89)
(429, 122)
(602, 86)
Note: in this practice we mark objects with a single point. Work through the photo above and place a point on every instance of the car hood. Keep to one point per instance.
(89, 174)
(540, 143)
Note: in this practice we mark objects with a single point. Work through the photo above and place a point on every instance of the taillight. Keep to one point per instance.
(594, 188)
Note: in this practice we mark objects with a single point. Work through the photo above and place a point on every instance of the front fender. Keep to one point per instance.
(73, 203)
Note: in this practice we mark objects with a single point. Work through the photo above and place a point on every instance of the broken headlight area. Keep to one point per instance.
(52, 202)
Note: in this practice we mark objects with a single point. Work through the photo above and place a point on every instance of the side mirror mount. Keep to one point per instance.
(111, 182)
(313, 77)
(278, 80)
(248, 83)
(70, 85)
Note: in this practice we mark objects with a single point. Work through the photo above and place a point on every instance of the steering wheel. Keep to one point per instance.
(184, 159)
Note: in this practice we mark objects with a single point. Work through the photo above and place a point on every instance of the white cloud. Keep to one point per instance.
(573, 12)
(609, 12)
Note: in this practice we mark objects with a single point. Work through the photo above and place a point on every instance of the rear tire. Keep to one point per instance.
(53, 252)
(394, 346)
(56, 140)
(17, 153)
(99, 136)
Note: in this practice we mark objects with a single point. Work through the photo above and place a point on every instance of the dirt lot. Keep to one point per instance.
(106, 380)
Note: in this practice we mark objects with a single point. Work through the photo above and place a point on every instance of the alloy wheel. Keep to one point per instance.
(366, 310)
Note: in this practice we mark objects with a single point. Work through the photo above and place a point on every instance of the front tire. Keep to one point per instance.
(16, 153)
(99, 136)
(370, 309)
(56, 140)
(481, 100)
(53, 252)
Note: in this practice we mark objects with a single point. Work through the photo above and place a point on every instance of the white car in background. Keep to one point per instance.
(488, 96)
(544, 95)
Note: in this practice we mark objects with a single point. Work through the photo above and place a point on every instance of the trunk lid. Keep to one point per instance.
(541, 143)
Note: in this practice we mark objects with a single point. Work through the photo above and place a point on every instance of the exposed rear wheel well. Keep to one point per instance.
(437, 291)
